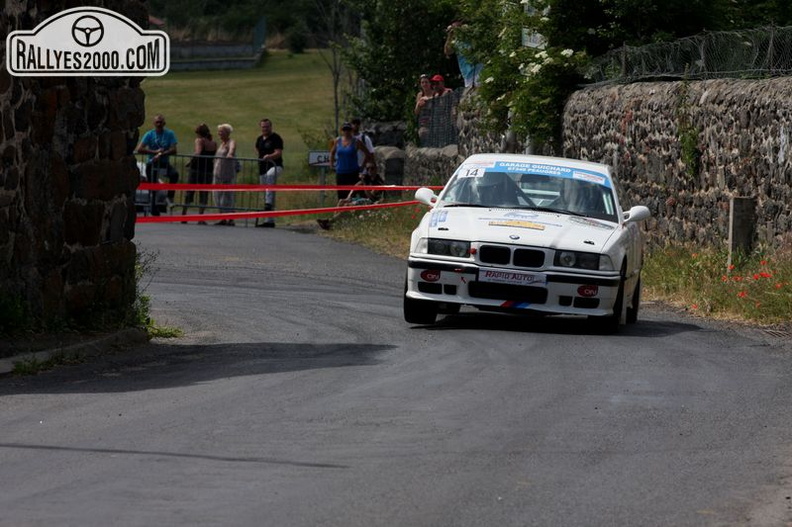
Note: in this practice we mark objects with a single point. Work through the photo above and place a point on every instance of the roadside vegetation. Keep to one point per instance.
(141, 309)
(756, 287)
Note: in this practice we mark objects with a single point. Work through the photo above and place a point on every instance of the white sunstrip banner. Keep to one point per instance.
(87, 41)
(552, 170)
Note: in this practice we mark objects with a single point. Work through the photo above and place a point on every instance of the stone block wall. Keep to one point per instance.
(685, 149)
(67, 183)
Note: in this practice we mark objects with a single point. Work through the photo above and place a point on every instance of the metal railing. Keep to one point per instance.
(761, 52)
(437, 121)
(181, 202)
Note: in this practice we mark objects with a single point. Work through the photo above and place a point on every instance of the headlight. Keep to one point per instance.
(578, 260)
(455, 248)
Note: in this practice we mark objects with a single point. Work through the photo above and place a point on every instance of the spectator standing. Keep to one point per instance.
(438, 86)
(344, 157)
(454, 44)
(269, 146)
(366, 140)
(201, 168)
(422, 97)
(225, 171)
(159, 143)
(424, 94)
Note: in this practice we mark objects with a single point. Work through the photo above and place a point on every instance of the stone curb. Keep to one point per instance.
(89, 348)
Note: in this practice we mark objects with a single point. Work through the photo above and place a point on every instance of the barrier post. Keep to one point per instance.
(321, 159)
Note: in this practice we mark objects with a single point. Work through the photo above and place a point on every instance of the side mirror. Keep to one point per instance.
(427, 197)
(637, 213)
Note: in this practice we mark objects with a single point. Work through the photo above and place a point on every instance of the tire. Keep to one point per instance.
(609, 324)
(632, 310)
(419, 311)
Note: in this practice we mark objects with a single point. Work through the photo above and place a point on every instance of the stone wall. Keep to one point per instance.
(685, 149)
(67, 182)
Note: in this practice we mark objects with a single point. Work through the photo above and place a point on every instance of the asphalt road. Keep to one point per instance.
(300, 397)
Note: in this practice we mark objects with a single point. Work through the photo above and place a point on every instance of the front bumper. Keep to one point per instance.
(489, 287)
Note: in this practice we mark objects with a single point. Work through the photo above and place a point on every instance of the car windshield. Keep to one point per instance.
(571, 192)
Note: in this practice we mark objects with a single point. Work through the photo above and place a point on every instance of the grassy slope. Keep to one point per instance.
(294, 91)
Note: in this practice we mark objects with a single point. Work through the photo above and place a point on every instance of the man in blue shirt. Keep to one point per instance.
(159, 143)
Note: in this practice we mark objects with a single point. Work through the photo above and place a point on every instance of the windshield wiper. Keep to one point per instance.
(475, 205)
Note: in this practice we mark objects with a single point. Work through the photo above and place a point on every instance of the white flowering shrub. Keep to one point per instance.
(527, 83)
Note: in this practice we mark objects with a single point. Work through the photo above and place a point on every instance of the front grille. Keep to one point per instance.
(517, 293)
(529, 258)
(493, 254)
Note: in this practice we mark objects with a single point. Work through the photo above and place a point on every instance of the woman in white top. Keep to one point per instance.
(225, 171)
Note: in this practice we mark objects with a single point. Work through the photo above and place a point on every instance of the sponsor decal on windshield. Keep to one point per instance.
(552, 170)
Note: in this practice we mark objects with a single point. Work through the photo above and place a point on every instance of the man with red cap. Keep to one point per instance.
(438, 85)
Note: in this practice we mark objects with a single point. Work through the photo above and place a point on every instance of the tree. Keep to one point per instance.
(399, 40)
(336, 23)
(528, 86)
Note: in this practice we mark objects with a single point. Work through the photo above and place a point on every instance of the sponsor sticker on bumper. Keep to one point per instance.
(508, 276)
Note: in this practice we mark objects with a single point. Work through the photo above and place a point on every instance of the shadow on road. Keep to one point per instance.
(565, 325)
(159, 365)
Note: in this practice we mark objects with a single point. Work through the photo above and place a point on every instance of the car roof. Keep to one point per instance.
(543, 160)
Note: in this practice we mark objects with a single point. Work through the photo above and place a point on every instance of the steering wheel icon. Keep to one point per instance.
(87, 31)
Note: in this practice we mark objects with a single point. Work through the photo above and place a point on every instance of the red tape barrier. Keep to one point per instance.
(259, 188)
(269, 214)
(274, 213)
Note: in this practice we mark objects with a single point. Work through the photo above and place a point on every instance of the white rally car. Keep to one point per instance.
(526, 234)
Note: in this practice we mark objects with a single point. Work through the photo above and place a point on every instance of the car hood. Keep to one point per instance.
(521, 227)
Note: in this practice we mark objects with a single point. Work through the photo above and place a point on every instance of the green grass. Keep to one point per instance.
(294, 91)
